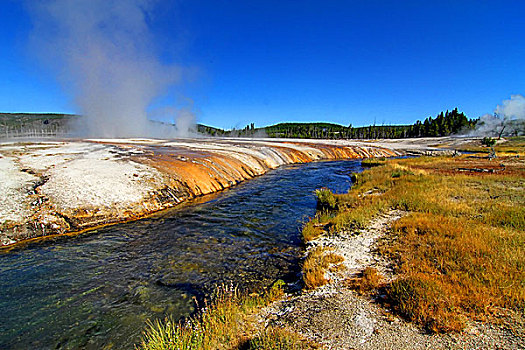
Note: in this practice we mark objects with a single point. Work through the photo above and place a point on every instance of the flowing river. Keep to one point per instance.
(97, 290)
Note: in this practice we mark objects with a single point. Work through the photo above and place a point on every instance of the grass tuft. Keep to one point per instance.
(311, 231)
(422, 300)
(372, 162)
(224, 323)
(318, 261)
(368, 281)
(326, 200)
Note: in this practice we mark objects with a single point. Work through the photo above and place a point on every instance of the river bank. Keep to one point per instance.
(59, 187)
(62, 187)
(337, 316)
(421, 253)
(431, 257)
(96, 290)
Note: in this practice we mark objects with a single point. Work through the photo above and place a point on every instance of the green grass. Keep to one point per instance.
(227, 322)
(371, 162)
(326, 200)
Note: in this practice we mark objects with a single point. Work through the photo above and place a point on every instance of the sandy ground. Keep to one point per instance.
(336, 317)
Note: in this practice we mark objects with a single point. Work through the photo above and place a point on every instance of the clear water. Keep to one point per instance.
(97, 290)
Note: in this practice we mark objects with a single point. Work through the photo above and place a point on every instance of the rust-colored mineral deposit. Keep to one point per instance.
(53, 188)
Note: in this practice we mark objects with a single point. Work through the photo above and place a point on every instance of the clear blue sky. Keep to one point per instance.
(358, 62)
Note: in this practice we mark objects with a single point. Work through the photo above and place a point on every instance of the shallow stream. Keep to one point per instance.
(97, 290)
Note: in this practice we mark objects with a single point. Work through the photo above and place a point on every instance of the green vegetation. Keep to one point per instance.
(460, 253)
(444, 124)
(311, 231)
(488, 141)
(371, 162)
(228, 322)
(326, 200)
(17, 119)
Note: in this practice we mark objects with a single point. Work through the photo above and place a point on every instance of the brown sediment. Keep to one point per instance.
(104, 182)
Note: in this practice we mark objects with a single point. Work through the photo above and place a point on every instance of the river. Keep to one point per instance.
(97, 290)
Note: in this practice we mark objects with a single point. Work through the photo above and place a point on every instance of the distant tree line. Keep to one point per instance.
(444, 124)
(247, 131)
(35, 124)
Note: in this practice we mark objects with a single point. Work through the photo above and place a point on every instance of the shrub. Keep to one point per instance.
(326, 199)
(488, 141)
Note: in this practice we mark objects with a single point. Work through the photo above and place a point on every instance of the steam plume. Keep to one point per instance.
(103, 51)
(508, 119)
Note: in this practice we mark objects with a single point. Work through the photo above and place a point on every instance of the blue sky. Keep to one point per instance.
(358, 62)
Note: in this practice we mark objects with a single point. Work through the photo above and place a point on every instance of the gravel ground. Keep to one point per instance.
(336, 317)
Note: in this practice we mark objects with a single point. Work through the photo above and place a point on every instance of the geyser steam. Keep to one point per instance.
(508, 119)
(103, 51)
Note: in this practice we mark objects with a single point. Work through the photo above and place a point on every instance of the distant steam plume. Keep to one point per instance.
(104, 53)
(508, 119)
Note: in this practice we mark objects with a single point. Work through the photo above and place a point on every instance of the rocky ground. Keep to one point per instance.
(337, 317)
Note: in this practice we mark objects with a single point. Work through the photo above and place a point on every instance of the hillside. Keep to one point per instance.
(444, 124)
(34, 124)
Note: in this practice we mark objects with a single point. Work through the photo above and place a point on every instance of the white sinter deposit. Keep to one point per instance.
(54, 187)
(14, 188)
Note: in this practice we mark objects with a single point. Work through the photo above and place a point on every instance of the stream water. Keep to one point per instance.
(97, 290)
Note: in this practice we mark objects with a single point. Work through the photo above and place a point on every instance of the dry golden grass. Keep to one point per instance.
(461, 253)
(457, 268)
(369, 280)
(511, 146)
(316, 264)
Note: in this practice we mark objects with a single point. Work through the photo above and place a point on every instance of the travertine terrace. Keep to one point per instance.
(59, 187)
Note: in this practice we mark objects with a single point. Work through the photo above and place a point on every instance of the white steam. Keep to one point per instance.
(103, 51)
(508, 119)
(513, 109)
